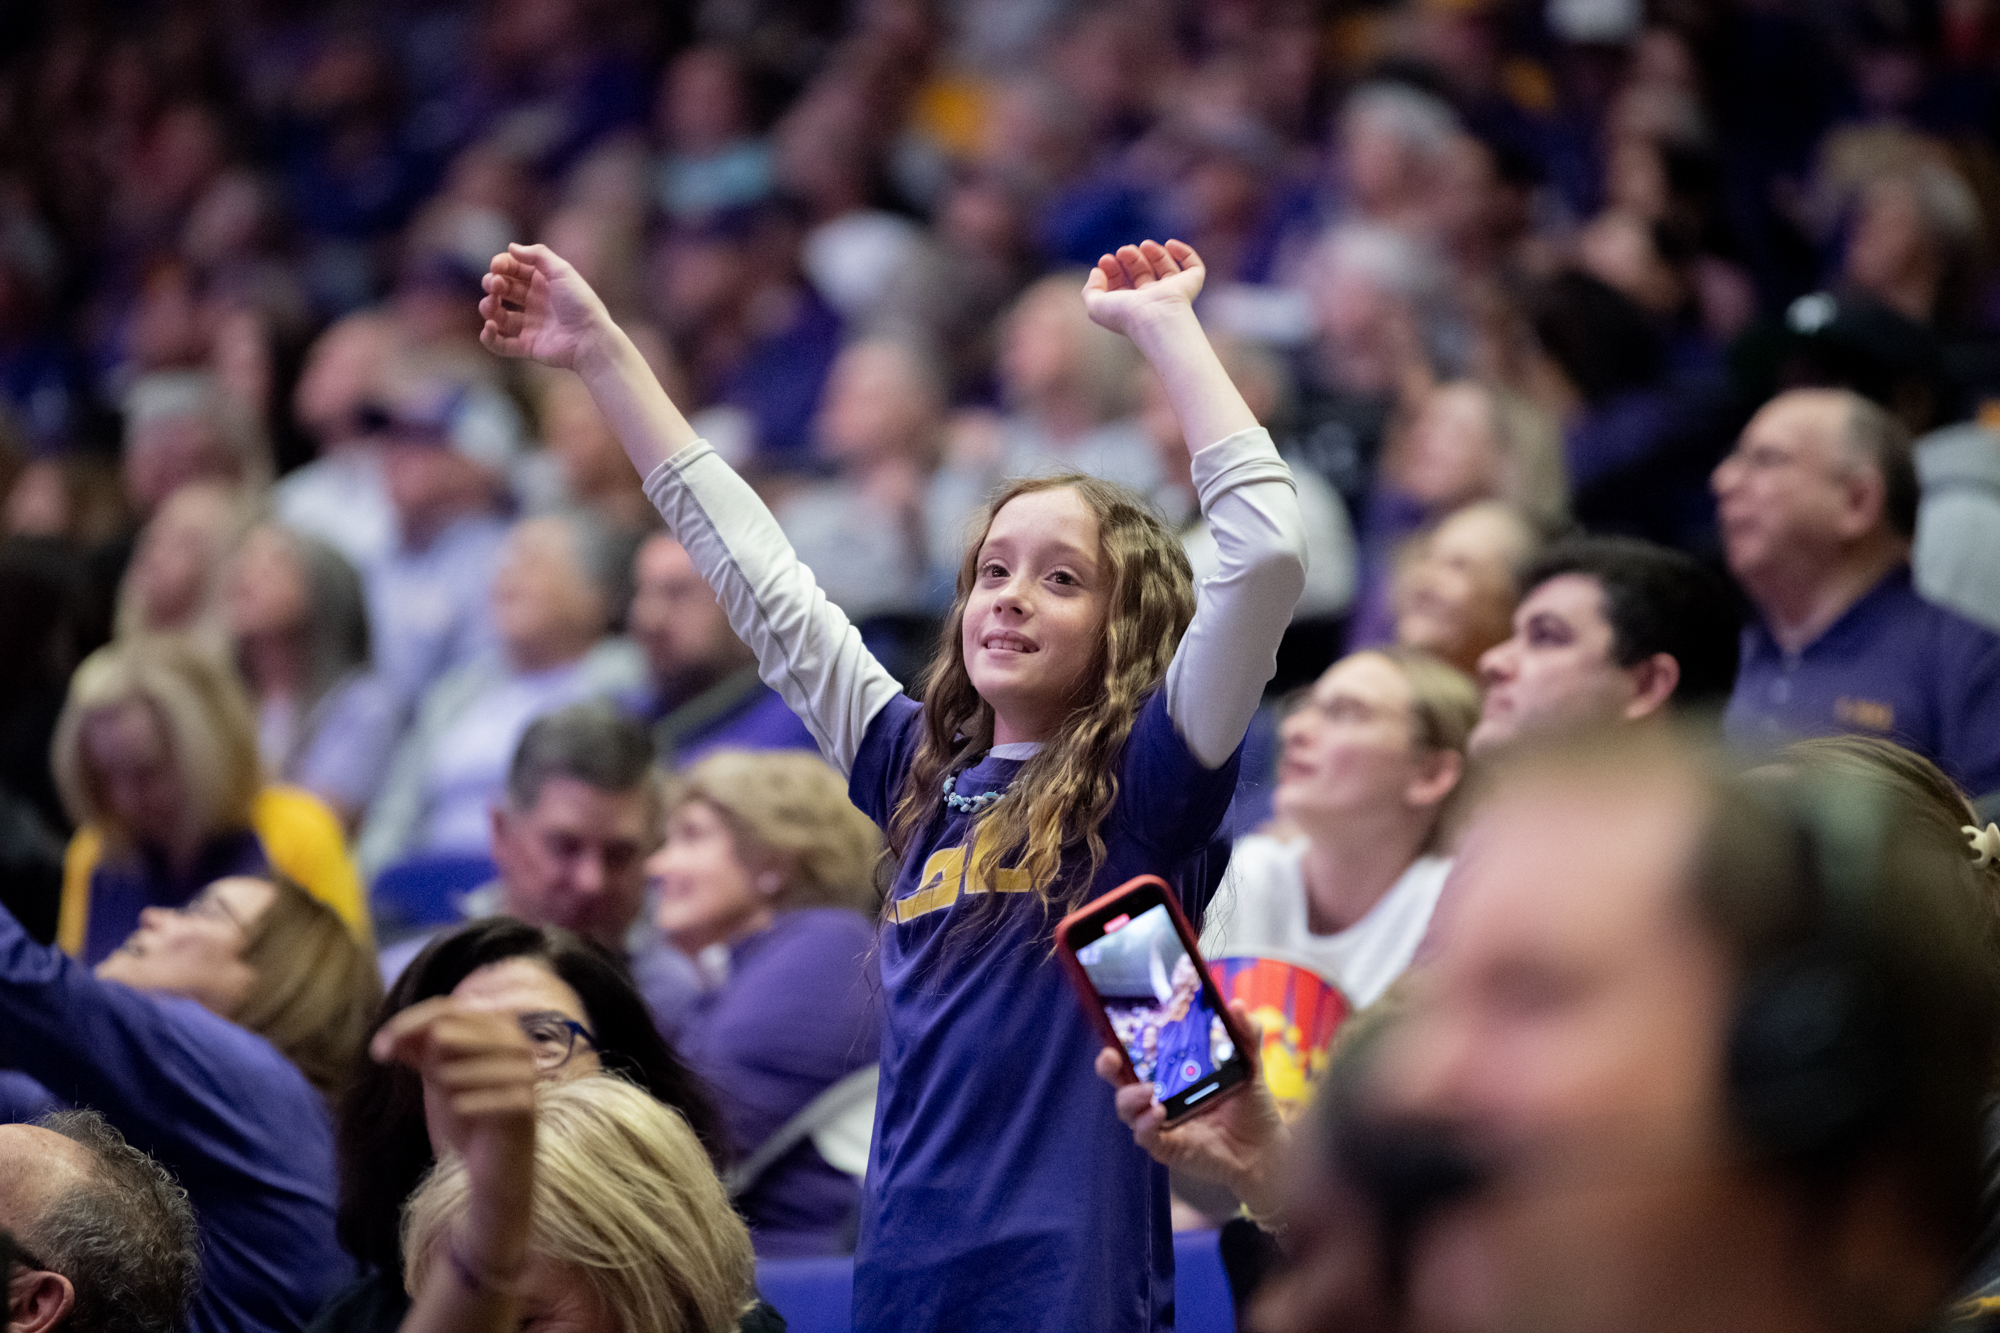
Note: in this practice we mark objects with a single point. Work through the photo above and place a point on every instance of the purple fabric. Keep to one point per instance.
(801, 1009)
(121, 886)
(1895, 666)
(758, 720)
(1002, 1192)
(237, 1124)
(431, 610)
(779, 379)
(766, 724)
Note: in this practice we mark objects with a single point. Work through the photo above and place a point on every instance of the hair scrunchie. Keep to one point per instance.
(1985, 843)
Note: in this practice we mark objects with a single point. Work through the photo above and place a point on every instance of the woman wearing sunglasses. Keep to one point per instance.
(581, 1015)
(213, 1039)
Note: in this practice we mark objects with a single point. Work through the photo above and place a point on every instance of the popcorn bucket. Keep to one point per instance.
(1299, 1014)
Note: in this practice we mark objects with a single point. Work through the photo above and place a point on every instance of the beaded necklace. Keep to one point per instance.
(970, 805)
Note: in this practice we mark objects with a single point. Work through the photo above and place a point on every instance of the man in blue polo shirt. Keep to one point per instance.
(1817, 506)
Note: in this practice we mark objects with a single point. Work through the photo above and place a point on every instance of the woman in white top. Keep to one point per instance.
(1344, 886)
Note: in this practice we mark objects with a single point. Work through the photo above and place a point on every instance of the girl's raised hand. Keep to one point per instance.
(1140, 279)
(537, 306)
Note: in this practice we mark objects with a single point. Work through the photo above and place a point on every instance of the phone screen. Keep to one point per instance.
(1166, 1014)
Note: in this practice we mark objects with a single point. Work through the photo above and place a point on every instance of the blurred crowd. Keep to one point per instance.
(1458, 252)
(1674, 325)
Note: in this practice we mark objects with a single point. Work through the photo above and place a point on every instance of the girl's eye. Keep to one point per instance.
(1063, 576)
(993, 569)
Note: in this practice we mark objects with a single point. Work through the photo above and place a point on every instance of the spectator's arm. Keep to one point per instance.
(1231, 650)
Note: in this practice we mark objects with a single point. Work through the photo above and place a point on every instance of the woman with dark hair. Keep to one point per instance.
(299, 620)
(582, 1014)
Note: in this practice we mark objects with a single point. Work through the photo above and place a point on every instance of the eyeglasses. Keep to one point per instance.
(212, 906)
(554, 1039)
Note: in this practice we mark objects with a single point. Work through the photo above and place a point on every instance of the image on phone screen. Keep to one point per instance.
(1152, 992)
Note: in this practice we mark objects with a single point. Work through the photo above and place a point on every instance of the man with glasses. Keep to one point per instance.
(94, 1234)
(1818, 505)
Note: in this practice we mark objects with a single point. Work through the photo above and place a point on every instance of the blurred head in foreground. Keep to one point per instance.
(1695, 1051)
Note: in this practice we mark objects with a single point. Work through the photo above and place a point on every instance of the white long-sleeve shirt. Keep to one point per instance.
(809, 652)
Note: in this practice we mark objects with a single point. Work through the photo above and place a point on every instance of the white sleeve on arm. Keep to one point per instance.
(806, 649)
(1230, 651)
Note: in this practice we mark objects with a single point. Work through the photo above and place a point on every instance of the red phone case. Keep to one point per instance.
(1095, 1006)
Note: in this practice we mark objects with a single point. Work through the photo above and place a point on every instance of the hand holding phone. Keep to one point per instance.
(1135, 963)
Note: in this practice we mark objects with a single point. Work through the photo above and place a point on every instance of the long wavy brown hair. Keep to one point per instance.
(1061, 798)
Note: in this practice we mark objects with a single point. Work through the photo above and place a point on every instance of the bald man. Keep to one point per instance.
(1817, 505)
(105, 1238)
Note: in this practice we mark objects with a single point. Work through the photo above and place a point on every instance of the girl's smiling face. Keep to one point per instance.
(1034, 620)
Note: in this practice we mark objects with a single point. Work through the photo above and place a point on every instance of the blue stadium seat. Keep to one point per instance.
(423, 891)
(817, 1295)
(814, 1295)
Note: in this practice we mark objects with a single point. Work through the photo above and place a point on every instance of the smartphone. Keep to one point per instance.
(1136, 965)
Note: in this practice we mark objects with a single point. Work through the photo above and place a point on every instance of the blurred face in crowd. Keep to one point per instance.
(1380, 167)
(701, 104)
(544, 605)
(165, 453)
(197, 950)
(127, 752)
(342, 372)
(1450, 455)
(1350, 749)
(877, 406)
(1571, 1028)
(582, 442)
(1035, 616)
(267, 589)
(430, 483)
(576, 858)
(177, 557)
(1042, 346)
(1453, 597)
(1891, 244)
(676, 620)
(1789, 497)
(708, 894)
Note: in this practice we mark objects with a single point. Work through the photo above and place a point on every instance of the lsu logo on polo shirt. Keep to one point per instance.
(1868, 714)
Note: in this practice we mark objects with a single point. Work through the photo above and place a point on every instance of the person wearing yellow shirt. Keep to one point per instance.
(156, 759)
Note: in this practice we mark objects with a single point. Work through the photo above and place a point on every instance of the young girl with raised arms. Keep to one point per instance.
(1082, 724)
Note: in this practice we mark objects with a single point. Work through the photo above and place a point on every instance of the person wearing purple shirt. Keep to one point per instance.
(1817, 507)
(703, 693)
(764, 878)
(243, 1124)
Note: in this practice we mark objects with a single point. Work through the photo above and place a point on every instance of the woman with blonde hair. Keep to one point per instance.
(766, 879)
(1465, 443)
(214, 1038)
(1343, 888)
(582, 1203)
(155, 755)
(179, 571)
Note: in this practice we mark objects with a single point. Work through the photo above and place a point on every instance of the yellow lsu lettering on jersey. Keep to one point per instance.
(944, 879)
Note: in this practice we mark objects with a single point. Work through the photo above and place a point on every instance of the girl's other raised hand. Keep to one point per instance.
(537, 306)
(1141, 279)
